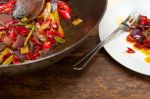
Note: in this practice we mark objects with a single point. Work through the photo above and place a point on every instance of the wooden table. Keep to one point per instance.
(103, 78)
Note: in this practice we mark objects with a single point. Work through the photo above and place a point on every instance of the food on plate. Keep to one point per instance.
(140, 33)
(23, 40)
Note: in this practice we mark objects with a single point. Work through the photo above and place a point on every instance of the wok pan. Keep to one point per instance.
(90, 11)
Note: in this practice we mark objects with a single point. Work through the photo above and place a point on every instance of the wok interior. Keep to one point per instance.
(90, 11)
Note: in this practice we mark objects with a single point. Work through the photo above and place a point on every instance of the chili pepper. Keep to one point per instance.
(50, 37)
(32, 56)
(64, 6)
(46, 46)
(22, 30)
(2, 28)
(64, 14)
(16, 60)
(64, 10)
(8, 60)
(7, 7)
(11, 34)
(143, 20)
(36, 48)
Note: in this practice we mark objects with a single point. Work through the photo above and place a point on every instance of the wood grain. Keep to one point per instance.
(103, 78)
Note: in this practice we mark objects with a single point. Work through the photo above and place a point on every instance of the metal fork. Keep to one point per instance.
(125, 25)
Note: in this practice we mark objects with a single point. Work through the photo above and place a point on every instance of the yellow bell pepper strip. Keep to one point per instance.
(59, 39)
(77, 21)
(56, 15)
(8, 60)
(51, 16)
(5, 52)
(29, 35)
(24, 50)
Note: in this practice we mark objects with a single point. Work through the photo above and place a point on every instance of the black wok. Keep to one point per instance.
(90, 11)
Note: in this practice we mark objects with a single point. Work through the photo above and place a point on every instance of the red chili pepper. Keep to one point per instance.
(30, 56)
(64, 6)
(16, 60)
(64, 10)
(50, 37)
(129, 50)
(11, 34)
(36, 48)
(144, 20)
(7, 7)
(46, 46)
(22, 30)
(64, 14)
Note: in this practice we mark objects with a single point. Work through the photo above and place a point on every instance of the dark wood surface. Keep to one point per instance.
(103, 78)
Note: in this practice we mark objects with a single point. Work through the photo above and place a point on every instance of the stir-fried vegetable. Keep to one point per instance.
(22, 40)
(140, 33)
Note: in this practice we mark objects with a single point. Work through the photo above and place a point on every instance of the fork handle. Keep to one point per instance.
(80, 65)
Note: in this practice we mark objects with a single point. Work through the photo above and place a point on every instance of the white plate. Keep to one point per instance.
(118, 10)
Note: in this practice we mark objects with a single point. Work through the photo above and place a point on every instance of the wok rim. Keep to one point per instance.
(61, 51)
